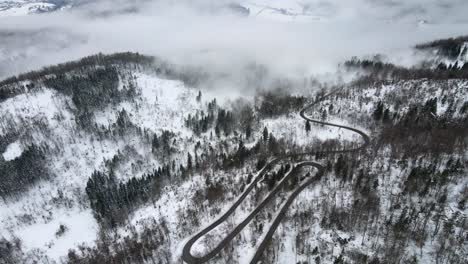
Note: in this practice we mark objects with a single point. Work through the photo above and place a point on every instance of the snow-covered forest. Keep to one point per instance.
(121, 158)
(233, 131)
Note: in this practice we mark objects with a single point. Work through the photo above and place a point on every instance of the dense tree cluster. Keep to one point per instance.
(451, 47)
(90, 61)
(200, 122)
(420, 179)
(22, 172)
(94, 89)
(163, 143)
(112, 200)
(377, 70)
(12, 86)
(276, 103)
(273, 178)
(10, 251)
(269, 147)
(419, 130)
(224, 122)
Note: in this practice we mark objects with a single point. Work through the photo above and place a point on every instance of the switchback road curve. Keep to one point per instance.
(186, 251)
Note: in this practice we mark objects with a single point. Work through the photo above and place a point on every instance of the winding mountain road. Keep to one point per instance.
(186, 251)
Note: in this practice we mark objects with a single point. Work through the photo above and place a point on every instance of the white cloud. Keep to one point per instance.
(197, 32)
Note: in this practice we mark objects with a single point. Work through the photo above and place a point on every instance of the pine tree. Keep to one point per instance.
(189, 161)
(386, 116)
(378, 111)
(249, 178)
(431, 105)
(155, 143)
(441, 66)
(197, 163)
(307, 126)
(340, 165)
(265, 134)
(324, 115)
(272, 144)
(217, 132)
(248, 131)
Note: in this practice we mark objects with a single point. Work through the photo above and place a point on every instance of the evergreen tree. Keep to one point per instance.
(265, 134)
(431, 105)
(217, 131)
(442, 66)
(249, 178)
(324, 115)
(378, 111)
(155, 143)
(307, 126)
(189, 161)
(386, 116)
(272, 144)
(248, 131)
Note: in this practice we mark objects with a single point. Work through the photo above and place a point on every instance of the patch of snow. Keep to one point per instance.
(292, 127)
(13, 151)
(80, 228)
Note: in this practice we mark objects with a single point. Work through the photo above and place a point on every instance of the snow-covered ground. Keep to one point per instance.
(25, 7)
(12, 151)
(53, 216)
(79, 228)
(45, 116)
(292, 128)
(161, 105)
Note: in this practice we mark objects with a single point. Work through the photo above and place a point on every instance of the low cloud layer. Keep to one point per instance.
(212, 34)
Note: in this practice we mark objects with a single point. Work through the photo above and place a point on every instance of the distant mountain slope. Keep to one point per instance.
(27, 7)
(451, 52)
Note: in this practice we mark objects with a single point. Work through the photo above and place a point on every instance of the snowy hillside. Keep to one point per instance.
(27, 7)
(233, 131)
(288, 11)
(446, 53)
(122, 158)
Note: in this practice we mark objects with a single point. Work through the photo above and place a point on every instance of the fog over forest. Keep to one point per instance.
(219, 37)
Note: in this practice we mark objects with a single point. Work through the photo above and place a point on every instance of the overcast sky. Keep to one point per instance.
(205, 33)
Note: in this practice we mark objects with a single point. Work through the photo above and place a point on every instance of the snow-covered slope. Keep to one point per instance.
(36, 216)
(28, 7)
(457, 61)
(167, 159)
(287, 11)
